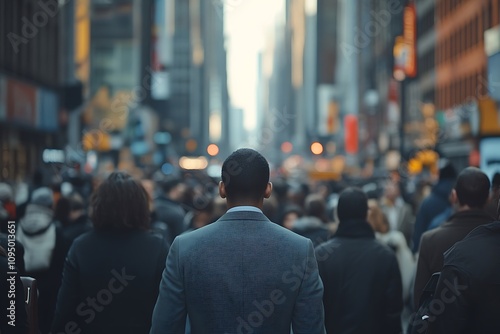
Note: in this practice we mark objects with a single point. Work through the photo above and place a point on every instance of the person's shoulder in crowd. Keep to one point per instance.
(92, 236)
(480, 244)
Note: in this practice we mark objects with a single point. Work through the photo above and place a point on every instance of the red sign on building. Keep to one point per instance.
(351, 134)
(21, 103)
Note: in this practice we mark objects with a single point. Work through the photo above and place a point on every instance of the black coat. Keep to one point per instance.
(110, 282)
(362, 282)
(431, 206)
(436, 242)
(170, 213)
(468, 291)
(76, 228)
(49, 282)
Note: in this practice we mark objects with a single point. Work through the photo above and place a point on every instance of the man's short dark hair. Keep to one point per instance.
(245, 174)
(473, 188)
(120, 203)
(315, 206)
(352, 205)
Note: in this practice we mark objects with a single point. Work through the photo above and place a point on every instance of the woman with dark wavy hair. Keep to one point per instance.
(111, 275)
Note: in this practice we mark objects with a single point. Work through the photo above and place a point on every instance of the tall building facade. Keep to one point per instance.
(37, 67)
(462, 90)
(199, 94)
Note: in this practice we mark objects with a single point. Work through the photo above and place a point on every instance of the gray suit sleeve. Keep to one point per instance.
(308, 314)
(169, 315)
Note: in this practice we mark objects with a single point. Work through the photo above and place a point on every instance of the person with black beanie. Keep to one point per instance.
(360, 275)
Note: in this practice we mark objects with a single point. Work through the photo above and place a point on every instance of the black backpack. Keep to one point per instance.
(419, 321)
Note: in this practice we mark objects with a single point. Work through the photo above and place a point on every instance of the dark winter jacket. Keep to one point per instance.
(312, 228)
(436, 242)
(110, 282)
(362, 282)
(76, 228)
(171, 214)
(468, 291)
(431, 206)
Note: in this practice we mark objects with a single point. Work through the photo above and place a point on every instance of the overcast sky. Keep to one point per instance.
(246, 23)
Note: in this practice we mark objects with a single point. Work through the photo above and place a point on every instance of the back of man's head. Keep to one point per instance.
(472, 188)
(245, 175)
(315, 206)
(352, 205)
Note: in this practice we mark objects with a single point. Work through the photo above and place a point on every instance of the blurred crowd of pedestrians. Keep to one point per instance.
(105, 251)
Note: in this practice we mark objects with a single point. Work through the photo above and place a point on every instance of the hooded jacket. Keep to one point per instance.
(37, 233)
(44, 252)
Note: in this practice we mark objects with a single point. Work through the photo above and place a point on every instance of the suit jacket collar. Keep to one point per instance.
(244, 215)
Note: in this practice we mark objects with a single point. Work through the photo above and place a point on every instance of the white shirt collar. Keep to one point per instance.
(244, 208)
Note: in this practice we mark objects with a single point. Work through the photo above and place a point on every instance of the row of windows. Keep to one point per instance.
(29, 40)
(469, 35)
(446, 7)
(460, 41)
(461, 90)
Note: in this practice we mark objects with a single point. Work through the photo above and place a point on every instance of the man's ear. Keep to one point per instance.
(222, 190)
(454, 197)
(269, 190)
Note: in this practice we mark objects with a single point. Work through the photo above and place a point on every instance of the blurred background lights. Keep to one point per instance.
(213, 150)
(286, 147)
(167, 168)
(316, 148)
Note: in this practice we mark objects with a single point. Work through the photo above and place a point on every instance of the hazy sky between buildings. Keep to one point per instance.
(247, 23)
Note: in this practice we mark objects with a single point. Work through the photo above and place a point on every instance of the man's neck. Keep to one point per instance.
(231, 204)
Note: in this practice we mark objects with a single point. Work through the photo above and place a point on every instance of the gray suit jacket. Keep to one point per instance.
(241, 274)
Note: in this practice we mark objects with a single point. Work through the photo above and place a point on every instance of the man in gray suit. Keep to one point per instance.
(242, 274)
